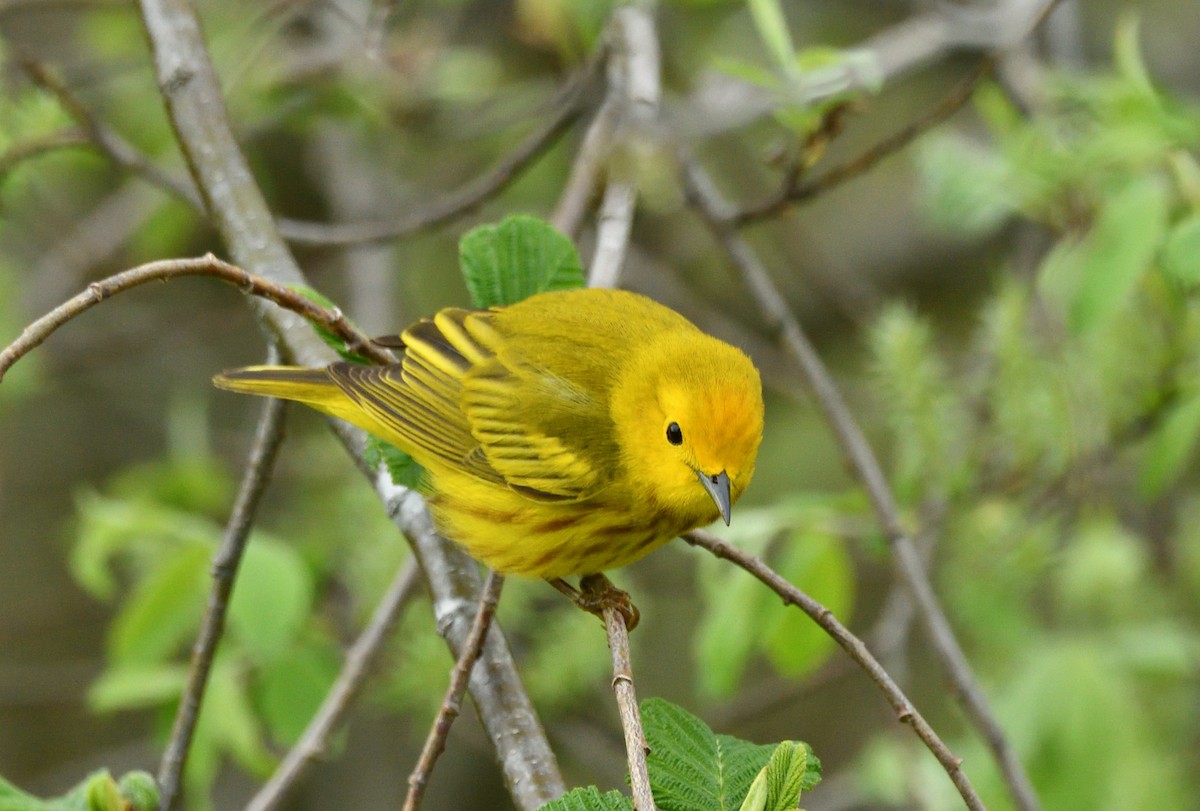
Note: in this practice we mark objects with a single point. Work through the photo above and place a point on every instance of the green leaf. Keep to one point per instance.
(503, 264)
(1127, 54)
(735, 601)
(403, 469)
(227, 725)
(131, 687)
(162, 613)
(589, 799)
(1171, 446)
(751, 74)
(967, 187)
(144, 533)
(272, 598)
(791, 770)
(98, 792)
(291, 688)
(334, 342)
(1181, 254)
(139, 790)
(772, 29)
(1118, 250)
(693, 769)
(13, 799)
(820, 565)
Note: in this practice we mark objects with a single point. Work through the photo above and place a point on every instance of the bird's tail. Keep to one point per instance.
(311, 386)
(316, 388)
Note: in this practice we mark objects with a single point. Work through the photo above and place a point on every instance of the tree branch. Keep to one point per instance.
(795, 189)
(165, 270)
(566, 109)
(635, 88)
(267, 440)
(359, 660)
(435, 742)
(905, 712)
(636, 747)
(779, 320)
(191, 91)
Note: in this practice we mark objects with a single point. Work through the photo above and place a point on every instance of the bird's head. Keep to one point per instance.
(688, 410)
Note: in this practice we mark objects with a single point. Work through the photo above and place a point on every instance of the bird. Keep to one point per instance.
(569, 433)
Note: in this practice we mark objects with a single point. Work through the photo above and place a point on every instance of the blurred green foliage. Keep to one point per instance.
(1048, 450)
(1050, 438)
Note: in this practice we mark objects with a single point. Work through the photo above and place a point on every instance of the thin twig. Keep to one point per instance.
(166, 269)
(529, 765)
(359, 661)
(636, 747)
(580, 187)
(22, 151)
(267, 440)
(794, 190)
(435, 743)
(107, 140)
(564, 111)
(779, 320)
(634, 81)
(905, 712)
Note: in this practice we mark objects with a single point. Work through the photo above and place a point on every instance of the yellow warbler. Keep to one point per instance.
(570, 433)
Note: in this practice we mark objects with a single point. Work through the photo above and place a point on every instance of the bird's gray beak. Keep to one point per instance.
(717, 487)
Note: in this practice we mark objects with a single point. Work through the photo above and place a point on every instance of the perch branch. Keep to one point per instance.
(435, 742)
(267, 440)
(905, 712)
(359, 661)
(636, 747)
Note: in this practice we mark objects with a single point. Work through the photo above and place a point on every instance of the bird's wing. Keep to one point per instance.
(418, 399)
(550, 438)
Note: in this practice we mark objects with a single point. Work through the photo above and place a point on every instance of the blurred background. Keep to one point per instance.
(1008, 305)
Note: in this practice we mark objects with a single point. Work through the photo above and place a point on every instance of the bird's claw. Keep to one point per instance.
(597, 593)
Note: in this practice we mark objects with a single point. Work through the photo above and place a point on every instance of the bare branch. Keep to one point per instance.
(636, 747)
(795, 190)
(236, 206)
(435, 743)
(164, 270)
(905, 712)
(107, 140)
(580, 187)
(525, 756)
(359, 661)
(267, 440)
(22, 151)
(565, 110)
(634, 84)
(779, 320)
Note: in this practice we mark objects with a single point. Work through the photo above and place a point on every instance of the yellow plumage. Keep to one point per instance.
(570, 433)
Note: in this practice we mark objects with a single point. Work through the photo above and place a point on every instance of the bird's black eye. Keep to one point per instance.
(674, 434)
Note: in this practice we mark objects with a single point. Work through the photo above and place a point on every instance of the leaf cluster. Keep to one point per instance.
(694, 769)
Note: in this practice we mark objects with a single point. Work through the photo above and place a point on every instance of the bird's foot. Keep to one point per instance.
(596, 593)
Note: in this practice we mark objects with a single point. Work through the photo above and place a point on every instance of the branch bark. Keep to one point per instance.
(905, 712)
(235, 204)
